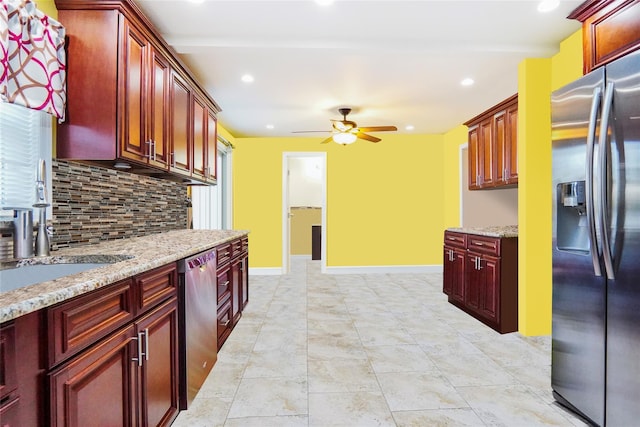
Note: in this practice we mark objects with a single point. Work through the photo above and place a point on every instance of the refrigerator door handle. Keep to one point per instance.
(589, 184)
(604, 184)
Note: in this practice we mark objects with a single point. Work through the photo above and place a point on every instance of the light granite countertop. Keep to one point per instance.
(503, 231)
(140, 254)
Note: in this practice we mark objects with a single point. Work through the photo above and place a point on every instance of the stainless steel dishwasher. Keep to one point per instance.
(198, 322)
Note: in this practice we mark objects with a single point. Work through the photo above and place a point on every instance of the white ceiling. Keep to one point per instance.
(394, 62)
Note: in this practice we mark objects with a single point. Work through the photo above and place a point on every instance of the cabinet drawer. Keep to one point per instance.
(224, 284)
(78, 323)
(224, 254)
(225, 322)
(155, 286)
(236, 248)
(245, 244)
(455, 239)
(484, 245)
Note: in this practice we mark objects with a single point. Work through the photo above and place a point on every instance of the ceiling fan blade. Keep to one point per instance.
(328, 140)
(378, 128)
(367, 137)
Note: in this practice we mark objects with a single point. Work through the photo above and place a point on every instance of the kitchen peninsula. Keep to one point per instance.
(112, 335)
(480, 274)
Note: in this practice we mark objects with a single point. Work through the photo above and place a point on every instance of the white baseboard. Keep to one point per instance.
(385, 269)
(373, 269)
(301, 256)
(265, 271)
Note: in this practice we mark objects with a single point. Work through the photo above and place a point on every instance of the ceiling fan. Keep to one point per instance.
(347, 131)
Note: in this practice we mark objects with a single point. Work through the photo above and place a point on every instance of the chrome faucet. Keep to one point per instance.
(42, 236)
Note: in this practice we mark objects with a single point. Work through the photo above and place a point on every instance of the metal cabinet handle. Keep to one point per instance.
(173, 159)
(479, 263)
(225, 284)
(140, 352)
(225, 323)
(148, 143)
(146, 344)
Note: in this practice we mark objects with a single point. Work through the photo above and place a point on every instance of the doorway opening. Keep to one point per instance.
(304, 187)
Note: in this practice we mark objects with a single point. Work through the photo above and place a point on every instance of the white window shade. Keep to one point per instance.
(25, 137)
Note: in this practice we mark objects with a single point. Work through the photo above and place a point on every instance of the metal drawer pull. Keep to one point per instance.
(146, 344)
(225, 284)
(225, 323)
(140, 352)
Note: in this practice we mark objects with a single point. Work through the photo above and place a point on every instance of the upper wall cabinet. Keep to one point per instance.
(610, 29)
(493, 147)
(131, 101)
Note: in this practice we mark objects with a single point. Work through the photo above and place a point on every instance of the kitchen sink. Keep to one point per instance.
(25, 274)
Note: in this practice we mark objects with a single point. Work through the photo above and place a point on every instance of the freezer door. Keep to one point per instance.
(623, 302)
(579, 294)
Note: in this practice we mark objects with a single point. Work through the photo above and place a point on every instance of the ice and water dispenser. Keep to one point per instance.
(573, 229)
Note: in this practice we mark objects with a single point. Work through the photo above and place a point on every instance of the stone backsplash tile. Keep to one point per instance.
(93, 204)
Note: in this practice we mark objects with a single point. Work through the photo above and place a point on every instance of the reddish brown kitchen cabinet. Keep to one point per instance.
(146, 93)
(134, 104)
(212, 147)
(610, 30)
(157, 375)
(233, 284)
(454, 265)
(492, 147)
(102, 377)
(181, 122)
(480, 276)
(22, 392)
(118, 350)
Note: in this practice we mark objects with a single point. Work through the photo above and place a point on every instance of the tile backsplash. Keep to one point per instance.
(93, 204)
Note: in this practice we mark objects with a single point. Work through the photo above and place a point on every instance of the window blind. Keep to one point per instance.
(25, 137)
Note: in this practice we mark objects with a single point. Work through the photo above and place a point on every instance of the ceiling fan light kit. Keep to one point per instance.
(344, 138)
(347, 132)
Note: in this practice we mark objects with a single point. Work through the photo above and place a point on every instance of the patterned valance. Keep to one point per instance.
(32, 58)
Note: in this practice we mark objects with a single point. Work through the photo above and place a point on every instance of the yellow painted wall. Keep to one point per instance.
(384, 201)
(48, 7)
(537, 79)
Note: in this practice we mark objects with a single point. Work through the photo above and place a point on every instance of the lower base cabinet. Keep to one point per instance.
(129, 377)
(480, 276)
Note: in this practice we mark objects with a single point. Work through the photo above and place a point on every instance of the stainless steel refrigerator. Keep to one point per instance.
(596, 244)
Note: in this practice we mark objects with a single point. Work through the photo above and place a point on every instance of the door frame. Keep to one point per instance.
(286, 252)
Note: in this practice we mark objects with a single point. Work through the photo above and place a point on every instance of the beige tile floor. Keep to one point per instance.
(371, 350)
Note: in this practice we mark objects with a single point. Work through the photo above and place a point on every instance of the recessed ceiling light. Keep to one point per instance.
(548, 5)
(467, 82)
(324, 2)
(270, 126)
(409, 127)
(247, 78)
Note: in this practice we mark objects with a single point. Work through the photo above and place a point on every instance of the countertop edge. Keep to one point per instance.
(28, 299)
(505, 232)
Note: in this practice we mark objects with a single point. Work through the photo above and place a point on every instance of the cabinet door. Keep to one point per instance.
(133, 69)
(158, 120)
(512, 145)
(158, 373)
(474, 158)
(181, 155)
(101, 377)
(8, 380)
(453, 273)
(500, 138)
(473, 282)
(489, 270)
(236, 290)
(487, 154)
(199, 138)
(212, 147)
(244, 279)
